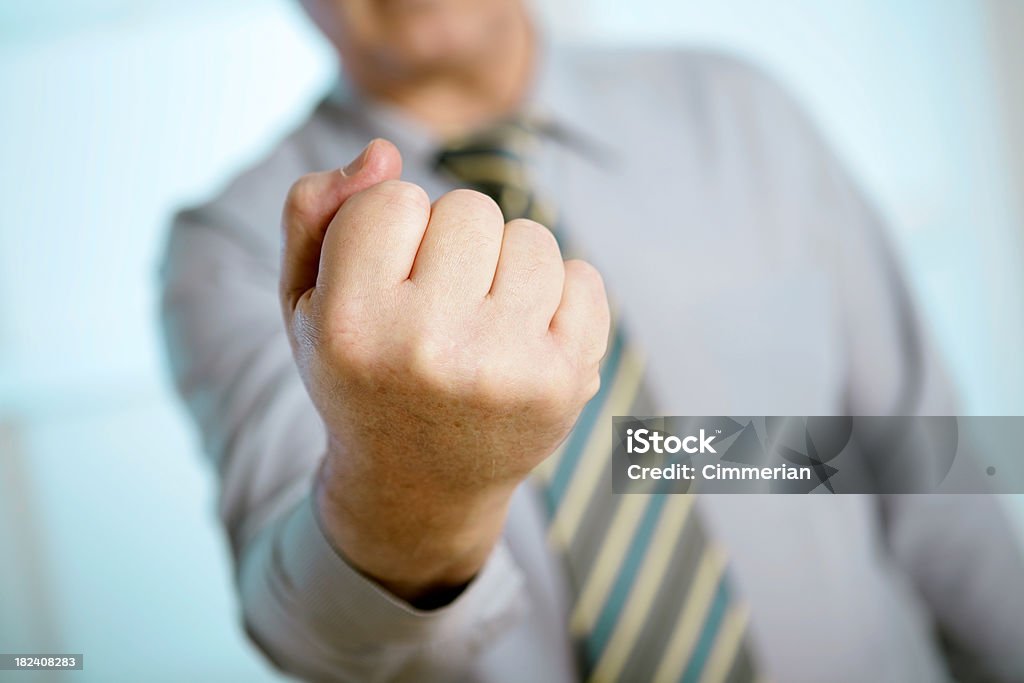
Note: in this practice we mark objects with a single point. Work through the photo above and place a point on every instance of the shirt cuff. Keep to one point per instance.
(344, 604)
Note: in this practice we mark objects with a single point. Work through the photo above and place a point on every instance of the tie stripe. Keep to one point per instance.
(631, 561)
(680, 651)
(730, 637)
(604, 569)
(643, 590)
(585, 424)
(652, 598)
(581, 479)
(601, 516)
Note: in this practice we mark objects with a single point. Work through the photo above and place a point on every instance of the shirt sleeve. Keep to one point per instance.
(309, 611)
(961, 552)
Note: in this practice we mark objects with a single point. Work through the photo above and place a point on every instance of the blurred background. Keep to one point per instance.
(114, 112)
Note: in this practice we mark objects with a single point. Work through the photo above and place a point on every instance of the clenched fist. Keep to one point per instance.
(447, 352)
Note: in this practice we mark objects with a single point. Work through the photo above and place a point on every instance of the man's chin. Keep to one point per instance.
(434, 54)
(446, 38)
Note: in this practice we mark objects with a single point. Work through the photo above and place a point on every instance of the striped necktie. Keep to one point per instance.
(651, 599)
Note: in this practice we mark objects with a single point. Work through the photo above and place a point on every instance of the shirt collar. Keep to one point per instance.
(557, 97)
(564, 99)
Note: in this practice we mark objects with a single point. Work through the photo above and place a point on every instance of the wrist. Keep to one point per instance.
(421, 544)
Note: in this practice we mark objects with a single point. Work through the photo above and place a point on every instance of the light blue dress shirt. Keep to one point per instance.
(759, 282)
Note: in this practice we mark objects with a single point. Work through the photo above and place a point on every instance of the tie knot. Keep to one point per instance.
(494, 161)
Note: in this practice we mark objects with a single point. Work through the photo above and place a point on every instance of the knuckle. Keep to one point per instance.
(585, 273)
(430, 364)
(533, 233)
(420, 358)
(535, 243)
(473, 216)
(400, 194)
(471, 201)
(588, 279)
(425, 360)
(492, 387)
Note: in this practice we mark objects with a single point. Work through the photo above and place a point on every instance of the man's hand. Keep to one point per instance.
(447, 352)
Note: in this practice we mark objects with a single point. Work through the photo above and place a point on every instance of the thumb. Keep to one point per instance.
(311, 204)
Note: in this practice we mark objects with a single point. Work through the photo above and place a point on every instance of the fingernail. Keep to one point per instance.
(358, 162)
